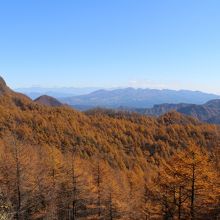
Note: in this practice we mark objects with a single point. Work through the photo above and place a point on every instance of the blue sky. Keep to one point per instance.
(109, 43)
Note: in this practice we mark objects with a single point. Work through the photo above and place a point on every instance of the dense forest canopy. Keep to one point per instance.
(58, 163)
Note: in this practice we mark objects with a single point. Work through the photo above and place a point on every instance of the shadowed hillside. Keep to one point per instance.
(208, 112)
(48, 101)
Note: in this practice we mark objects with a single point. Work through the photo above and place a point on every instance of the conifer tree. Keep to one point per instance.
(188, 183)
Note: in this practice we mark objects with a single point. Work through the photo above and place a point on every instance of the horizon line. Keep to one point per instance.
(112, 88)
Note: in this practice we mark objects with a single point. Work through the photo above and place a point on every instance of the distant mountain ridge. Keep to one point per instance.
(208, 112)
(137, 98)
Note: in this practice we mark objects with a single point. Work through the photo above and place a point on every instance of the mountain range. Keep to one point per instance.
(192, 103)
(136, 98)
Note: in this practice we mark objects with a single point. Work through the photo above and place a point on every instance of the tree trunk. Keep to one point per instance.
(192, 211)
(99, 190)
(18, 185)
(180, 203)
(73, 189)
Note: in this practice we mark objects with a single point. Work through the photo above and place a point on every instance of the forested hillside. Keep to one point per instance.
(58, 163)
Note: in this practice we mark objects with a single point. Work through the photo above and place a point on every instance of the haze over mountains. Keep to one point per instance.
(36, 91)
(136, 98)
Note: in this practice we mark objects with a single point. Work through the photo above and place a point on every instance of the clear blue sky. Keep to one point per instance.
(107, 43)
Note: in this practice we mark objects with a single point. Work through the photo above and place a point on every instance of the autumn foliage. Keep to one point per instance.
(57, 163)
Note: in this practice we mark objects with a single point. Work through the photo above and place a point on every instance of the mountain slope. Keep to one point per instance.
(137, 98)
(113, 134)
(3, 87)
